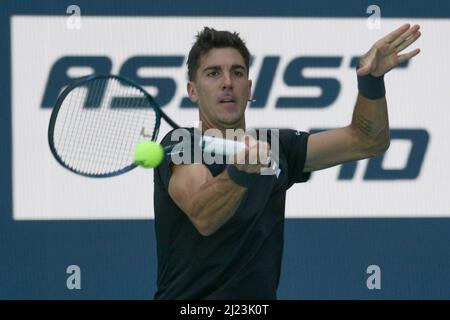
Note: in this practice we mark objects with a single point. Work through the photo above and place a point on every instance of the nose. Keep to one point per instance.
(227, 84)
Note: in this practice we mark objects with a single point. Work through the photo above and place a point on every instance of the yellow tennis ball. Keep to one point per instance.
(148, 154)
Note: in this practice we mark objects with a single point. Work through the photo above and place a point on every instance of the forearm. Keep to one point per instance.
(370, 121)
(215, 203)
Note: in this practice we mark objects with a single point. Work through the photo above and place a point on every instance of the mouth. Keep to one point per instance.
(227, 100)
(228, 104)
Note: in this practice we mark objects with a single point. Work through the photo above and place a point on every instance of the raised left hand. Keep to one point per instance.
(384, 54)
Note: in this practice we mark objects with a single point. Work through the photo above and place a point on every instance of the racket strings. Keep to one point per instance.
(80, 143)
(108, 143)
(99, 139)
(131, 132)
(98, 129)
(105, 143)
(71, 128)
(127, 131)
(89, 117)
(100, 143)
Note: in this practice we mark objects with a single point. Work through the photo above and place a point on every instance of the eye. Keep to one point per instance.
(212, 73)
(239, 73)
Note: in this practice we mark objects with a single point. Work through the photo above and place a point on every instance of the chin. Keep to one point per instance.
(231, 122)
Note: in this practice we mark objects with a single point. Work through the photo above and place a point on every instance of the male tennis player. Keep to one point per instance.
(219, 227)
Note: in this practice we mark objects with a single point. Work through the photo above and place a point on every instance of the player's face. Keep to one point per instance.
(221, 88)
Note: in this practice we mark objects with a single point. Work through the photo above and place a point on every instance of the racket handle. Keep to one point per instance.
(210, 145)
(221, 146)
(218, 146)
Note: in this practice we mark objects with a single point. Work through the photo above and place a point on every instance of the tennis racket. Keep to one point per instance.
(98, 121)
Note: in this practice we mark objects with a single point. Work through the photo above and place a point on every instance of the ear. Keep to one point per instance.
(192, 92)
(249, 89)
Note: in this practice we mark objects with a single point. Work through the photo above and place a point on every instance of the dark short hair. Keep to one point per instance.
(209, 39)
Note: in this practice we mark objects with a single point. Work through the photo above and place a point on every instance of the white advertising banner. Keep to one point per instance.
(410, 181)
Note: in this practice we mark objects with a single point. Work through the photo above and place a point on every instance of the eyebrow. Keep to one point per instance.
(216, 67)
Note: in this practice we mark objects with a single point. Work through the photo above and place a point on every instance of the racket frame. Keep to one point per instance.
(79, 83)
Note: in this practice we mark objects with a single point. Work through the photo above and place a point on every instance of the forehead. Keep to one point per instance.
(224, 57)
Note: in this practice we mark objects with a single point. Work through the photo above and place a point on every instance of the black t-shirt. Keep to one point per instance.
(242, 259)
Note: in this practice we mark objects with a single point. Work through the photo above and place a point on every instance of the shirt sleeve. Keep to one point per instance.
(163, 172)
(294, 144)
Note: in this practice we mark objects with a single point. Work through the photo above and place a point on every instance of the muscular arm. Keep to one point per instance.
(366, 136)
(208, 201)
(368, 133)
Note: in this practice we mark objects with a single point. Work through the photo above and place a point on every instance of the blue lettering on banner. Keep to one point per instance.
(419, 139)
(58, 77)
(293, 77)
(167, 86)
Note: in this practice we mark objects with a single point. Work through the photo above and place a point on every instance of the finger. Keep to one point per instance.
(252, 142)
(249, 141)
(363, 70)
(394, 34)
(400, 39)
(240, 157)
(253, 152)
(407, 56)
(263, 152)
(408, 42)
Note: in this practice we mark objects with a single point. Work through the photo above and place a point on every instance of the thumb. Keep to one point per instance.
(364, 70)
(249, 141)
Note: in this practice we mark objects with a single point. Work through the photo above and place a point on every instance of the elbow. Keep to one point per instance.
(375, 145)
(379, 148)
(385, 146)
